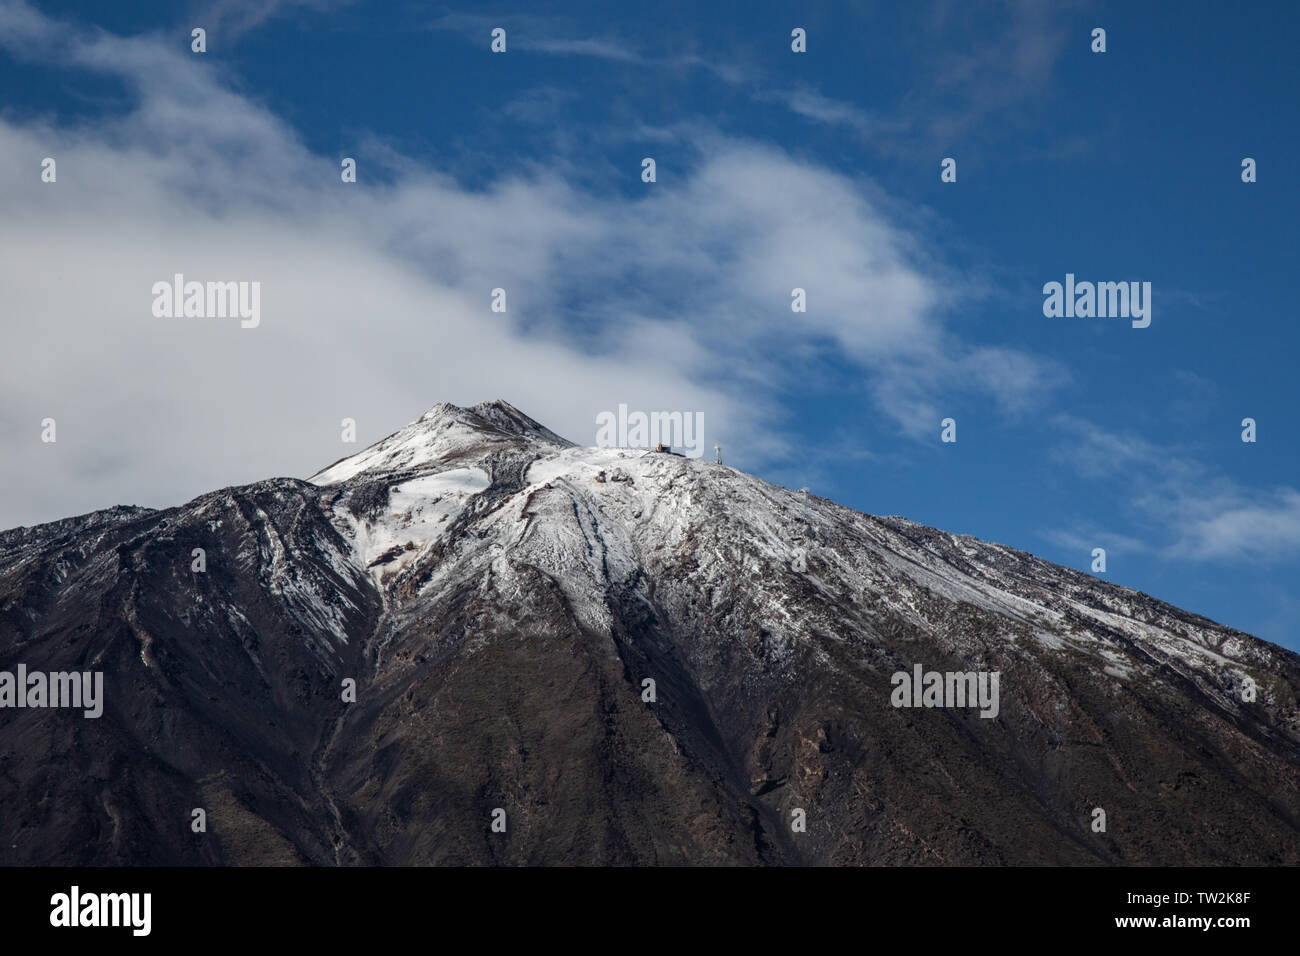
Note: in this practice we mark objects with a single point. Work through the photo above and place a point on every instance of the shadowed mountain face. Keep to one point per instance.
(500, 599)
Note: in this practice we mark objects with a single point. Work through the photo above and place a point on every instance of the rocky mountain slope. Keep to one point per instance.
(500, 598)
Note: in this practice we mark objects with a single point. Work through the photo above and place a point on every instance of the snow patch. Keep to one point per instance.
(419, 511)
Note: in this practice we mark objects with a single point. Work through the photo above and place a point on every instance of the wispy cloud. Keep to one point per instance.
(558, 36)
(562, 37)
(1098, 453)
(604, 49)
(976, 74)
(1184, 508)
(962, 74)
(239, 16)
(1231, 523)
(809, 103)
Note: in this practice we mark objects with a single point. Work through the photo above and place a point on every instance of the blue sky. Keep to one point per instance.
(774, 170)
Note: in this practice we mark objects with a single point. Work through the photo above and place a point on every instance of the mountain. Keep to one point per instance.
(500, 597)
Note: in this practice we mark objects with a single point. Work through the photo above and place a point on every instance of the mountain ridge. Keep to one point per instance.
(499, 596)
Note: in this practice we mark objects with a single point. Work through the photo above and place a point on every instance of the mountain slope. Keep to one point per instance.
(499, 596)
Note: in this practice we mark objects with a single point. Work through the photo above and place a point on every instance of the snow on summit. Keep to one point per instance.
(442, 434)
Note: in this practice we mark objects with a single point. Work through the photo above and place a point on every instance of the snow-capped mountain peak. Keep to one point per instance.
(442, 436)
